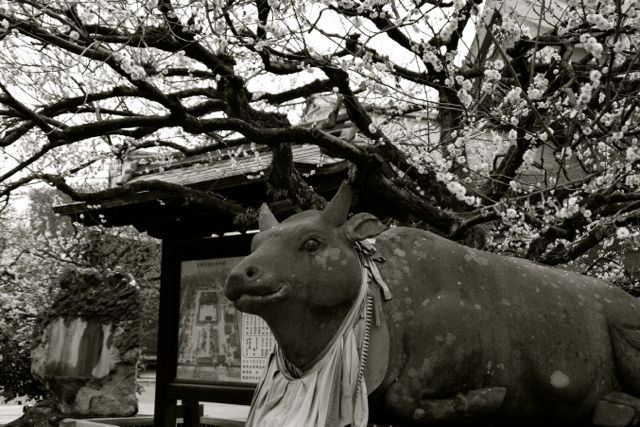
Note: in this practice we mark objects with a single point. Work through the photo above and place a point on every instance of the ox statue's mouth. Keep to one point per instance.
(245, 298)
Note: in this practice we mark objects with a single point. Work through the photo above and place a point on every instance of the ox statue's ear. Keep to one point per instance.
(266, 220)
(338, 208)
(362, 226)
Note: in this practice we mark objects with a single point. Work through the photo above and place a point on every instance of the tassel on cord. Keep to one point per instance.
(366, 339)
(367, 250)
(373, 305)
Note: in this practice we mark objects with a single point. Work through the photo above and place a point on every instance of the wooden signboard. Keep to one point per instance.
(207, 350)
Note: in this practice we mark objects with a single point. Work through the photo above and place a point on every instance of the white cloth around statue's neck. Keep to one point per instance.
(332, 393)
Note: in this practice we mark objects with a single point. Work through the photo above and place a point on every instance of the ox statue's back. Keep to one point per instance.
(467, 337)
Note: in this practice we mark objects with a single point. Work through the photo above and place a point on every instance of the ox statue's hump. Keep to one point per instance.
(439, 263)
(468, 319)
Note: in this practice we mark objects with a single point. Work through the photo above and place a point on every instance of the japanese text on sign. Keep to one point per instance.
(257, 344)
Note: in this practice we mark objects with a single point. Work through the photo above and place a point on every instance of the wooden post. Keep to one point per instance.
(167, 352)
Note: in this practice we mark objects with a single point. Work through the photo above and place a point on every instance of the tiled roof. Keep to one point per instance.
(248, 164)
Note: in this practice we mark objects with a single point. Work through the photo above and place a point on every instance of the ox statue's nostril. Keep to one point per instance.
(252, 272)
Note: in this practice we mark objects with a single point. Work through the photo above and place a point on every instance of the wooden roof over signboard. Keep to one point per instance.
(240, 178)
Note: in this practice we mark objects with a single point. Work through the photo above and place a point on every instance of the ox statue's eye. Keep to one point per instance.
(311, 245)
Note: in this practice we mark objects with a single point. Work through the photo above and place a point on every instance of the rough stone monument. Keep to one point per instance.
(87, 345)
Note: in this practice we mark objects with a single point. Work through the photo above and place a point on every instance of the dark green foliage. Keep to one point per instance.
(16, 324)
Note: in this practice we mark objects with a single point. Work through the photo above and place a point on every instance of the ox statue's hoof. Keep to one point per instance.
(617, 410)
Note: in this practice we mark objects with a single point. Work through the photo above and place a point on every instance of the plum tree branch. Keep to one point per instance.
(206, 199)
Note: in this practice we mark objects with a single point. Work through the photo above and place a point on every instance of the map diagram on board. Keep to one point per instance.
(216, 342)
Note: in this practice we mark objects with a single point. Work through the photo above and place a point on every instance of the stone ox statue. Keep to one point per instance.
(467, 337)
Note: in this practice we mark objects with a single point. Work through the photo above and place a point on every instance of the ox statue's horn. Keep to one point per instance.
(266, 220)
(338, 208)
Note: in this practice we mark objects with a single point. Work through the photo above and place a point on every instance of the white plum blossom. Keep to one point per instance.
(492, 74)
(465, 97)
(457, 189)
(430, 57)
(534, 93)
(621, 45)
(570, 207)
(586, 92)
(623, 232)
(467, 85)
(591, 45)
(540, 82)
(633, 154)
(599, 22)
(136, 71)
(511, 213)
(514, 95)
(511, 31)
(617, 136)
(447, 31)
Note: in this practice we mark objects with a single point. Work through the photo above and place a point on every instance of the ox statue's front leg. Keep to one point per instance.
(474, 405)
(469, 406)
(441, 378)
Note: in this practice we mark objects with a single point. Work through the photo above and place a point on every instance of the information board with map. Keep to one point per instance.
(216, 342)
